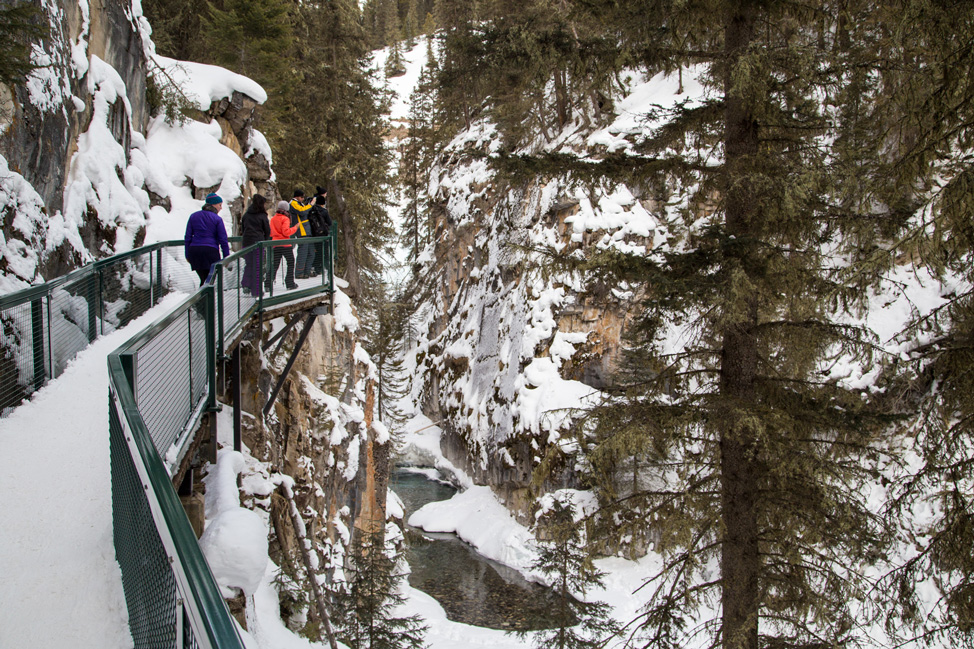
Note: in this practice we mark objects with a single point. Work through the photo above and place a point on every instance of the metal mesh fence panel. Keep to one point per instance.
(147, 578)
(75, 317)
(24, 363)
(129, 288)
(239, 287)
(171, 377)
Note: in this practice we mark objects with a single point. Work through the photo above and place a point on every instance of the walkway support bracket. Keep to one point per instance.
(309, 321)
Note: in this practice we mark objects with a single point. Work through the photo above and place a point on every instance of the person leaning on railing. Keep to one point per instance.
(320, 222)
(254, 227)
(206, 236)
(281, 230)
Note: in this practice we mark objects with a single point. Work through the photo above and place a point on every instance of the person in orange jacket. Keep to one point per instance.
(281, 230)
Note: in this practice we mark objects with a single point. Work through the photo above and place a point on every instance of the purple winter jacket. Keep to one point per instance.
(205, 228)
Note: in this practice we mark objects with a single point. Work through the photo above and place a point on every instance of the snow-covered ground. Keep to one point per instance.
(61, 585)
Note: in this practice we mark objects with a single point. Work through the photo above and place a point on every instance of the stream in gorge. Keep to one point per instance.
(471, 588)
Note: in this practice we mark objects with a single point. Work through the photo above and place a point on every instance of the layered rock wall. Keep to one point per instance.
(514, 346)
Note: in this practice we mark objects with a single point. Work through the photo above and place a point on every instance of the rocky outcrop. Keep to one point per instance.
(320, 433)
(507, 333)
(42, 119)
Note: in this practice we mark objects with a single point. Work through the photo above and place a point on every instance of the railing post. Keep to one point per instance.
(37, 341)
(209, 300)
(218, 300)
(158, 279)
(189, 337)
(92, 299)
(262, 271)
(180, 623)
(101, 298)
(50, 340)
(211, 406)
(237, 396)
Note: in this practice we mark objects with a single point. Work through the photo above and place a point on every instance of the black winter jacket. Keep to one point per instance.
(320, 221)
(254, 226)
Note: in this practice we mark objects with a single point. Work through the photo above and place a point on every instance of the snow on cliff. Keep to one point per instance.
(109, 178)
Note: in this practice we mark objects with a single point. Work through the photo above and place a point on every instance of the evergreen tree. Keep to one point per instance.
(395, 63)
(177, 28)
(461, 66)
(390, 22)
(418, 153)
(371, 23)
(544, 68)
(429, 24)
(563, 558)
(386, 345)
(334, 136)
(251, 37)
(918, 118)
(739, 448)
(20, 24)
(365, 612)
(410, 24)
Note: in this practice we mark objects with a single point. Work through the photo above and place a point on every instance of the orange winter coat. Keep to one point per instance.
(281, 228)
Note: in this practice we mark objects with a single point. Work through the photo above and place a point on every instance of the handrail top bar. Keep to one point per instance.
(31, 293)
(39, 290)
(272, 243)
(134, 343)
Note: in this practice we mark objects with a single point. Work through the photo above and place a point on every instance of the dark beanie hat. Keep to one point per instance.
(213, 199)
(320, 200)
(320, 190)
(298, 192)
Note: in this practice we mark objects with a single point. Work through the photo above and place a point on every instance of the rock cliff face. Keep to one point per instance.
(42, 119)
(328, 445)
(511, 347)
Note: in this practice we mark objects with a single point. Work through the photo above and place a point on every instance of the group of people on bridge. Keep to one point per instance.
(206, 238)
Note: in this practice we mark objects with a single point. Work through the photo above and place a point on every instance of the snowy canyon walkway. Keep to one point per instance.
(61, 585)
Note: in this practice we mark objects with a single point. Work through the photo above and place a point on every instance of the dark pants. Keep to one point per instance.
(287, 254)
(201, 260)
(251, 275)
(306, 254)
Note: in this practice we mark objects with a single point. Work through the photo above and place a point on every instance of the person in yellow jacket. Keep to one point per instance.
(299, 208)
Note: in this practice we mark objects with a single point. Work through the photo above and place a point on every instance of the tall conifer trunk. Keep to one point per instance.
(740, 559)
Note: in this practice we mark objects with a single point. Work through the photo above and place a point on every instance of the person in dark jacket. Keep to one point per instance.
(281, 230)
(254, 227)
(320, 221)
(206, 237)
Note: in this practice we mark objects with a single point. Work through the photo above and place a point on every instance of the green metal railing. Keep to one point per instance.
(158, 388)
(161, 382)
(239, 296)
(43, 328)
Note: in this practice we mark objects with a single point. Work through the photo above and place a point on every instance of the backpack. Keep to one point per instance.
(316, 216)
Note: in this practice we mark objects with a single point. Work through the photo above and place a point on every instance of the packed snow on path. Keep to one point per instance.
(61, 584)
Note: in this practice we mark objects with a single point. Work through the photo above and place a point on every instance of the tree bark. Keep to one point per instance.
(344, 220)
(740, 557)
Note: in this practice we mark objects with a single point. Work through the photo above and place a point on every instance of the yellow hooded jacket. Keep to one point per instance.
(301, 210)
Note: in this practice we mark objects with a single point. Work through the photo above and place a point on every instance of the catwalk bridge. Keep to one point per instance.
(163, 388)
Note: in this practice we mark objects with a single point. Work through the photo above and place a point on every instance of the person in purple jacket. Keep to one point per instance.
(206, 236)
